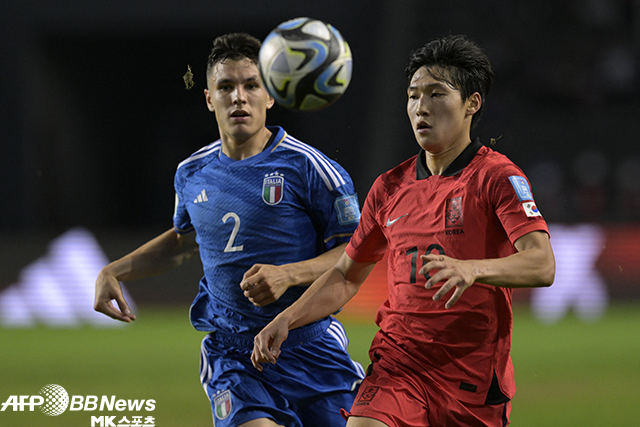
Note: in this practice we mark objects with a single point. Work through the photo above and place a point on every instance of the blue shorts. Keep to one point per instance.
(313, 379)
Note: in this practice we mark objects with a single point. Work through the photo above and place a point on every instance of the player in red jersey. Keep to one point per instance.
(461, 230)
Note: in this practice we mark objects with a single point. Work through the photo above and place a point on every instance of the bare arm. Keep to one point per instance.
(157, 256)
(325, 296)
(264, 283)
(532, 266)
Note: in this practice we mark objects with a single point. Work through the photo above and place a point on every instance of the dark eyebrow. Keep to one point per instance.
(250, 79)
(429, 86)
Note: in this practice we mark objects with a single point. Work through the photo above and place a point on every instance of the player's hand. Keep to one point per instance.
(107, 289)
(456, 274)
(266, 345)
(263, 283)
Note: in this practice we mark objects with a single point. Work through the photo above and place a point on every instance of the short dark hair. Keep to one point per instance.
(457, 61)
(234, 46)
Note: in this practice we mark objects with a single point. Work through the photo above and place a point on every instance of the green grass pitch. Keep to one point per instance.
(568, 374)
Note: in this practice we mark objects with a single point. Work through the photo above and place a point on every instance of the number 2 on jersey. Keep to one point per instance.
(234, 233)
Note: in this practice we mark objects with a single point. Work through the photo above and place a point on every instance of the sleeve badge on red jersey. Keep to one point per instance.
(531, 209)
(521, 186)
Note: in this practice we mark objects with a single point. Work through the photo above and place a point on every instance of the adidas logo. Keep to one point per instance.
(202, 197)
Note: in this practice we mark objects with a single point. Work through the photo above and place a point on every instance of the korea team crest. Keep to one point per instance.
(273, 188)
(366, 396)
(453, 217)
(222, 404)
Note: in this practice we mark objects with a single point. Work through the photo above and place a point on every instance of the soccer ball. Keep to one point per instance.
(305, 64)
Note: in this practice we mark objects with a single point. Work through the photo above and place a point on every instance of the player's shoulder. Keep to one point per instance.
(292, 146)
(200, 158)
(496, 163)
(393, 179)
(309, 158)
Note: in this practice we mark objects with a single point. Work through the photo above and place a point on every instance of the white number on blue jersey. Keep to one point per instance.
(234, 233)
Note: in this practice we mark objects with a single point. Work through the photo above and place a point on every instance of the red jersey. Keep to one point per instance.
(476, 210)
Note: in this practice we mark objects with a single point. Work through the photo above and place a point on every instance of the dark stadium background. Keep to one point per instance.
(95, 116)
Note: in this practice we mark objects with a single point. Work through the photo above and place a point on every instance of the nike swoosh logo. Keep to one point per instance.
(390, 222)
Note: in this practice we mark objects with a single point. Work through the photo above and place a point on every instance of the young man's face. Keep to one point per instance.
(439, 117)
(238, 98)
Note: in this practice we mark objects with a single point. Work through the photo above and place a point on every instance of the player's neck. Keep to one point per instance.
(438, 162)
(240, 148)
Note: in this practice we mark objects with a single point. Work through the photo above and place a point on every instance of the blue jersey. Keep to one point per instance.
(287, 204)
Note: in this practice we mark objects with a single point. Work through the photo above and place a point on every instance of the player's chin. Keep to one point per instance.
(426, 144)
(242, 131)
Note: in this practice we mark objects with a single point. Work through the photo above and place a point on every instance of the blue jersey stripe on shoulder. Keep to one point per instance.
(324, 177)
(203, 152)
(337, 177)
(331, 177)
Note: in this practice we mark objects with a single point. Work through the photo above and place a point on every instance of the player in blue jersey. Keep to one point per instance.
(268, 215)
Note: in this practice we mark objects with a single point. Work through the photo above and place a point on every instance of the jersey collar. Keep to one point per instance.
(277, 135)
(461, 162)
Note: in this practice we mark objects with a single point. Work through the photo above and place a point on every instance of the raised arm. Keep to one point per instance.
(157, 256)
(326, 295)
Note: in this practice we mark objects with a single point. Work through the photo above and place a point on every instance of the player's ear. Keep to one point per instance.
(208, 99)
(270, 102)
(474, 103)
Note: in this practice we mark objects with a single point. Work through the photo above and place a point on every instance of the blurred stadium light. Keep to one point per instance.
(595, 264)
(578, 284)
(58, 288)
